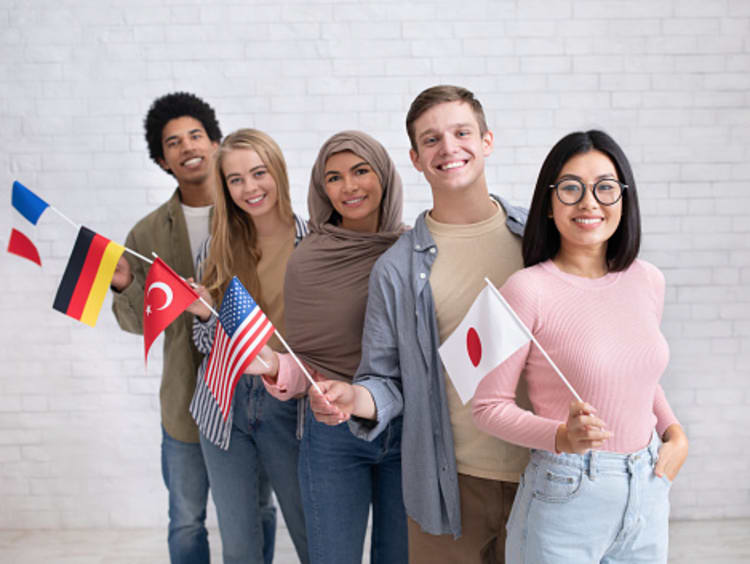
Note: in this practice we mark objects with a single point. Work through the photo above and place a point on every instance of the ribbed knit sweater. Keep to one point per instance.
(604, 336)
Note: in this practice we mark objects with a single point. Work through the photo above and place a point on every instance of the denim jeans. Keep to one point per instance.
(184, 474)
(601, 507)
(263, 446)
(340, 476)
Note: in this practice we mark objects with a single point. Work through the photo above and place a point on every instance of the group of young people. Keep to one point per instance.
(365, 302)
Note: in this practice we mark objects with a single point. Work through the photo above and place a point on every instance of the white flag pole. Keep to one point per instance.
(528, 334)
(299, 363)
(65, 217)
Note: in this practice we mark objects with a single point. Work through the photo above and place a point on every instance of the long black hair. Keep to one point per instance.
(541, 239)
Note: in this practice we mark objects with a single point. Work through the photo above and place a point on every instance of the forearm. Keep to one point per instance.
(364, 404)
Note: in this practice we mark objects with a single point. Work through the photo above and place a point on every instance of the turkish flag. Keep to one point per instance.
(166, 295)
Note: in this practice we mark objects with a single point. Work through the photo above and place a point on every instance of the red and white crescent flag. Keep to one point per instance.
(486, 336)
(165, 297)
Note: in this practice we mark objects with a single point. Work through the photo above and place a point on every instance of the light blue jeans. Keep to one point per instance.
(601, 507)
(263, 446)
(341, 475)
(184, 473)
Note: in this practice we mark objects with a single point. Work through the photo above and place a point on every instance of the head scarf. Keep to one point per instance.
(325, 289)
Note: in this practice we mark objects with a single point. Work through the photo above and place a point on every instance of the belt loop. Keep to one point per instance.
(591, 458)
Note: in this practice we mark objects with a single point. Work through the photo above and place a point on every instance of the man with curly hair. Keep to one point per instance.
(182, 134)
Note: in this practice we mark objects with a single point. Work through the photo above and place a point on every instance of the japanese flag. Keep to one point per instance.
(484, 339)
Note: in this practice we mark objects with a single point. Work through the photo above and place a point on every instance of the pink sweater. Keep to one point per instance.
(604, 336)
(291, 380)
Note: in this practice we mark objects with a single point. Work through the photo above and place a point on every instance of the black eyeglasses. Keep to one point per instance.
(607, 192)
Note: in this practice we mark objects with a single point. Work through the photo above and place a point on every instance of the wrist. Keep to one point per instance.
(364, 405)
(562, 444)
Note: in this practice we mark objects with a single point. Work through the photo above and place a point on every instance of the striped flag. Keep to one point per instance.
(87, 276)
(19, 244)
(27, 203)
(241, 332)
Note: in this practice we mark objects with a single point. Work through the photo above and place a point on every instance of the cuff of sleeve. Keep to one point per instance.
(387, 407)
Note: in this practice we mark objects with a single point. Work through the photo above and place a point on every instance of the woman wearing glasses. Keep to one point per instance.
(597, 484)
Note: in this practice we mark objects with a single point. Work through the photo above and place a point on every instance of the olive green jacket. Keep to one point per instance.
(164, 231)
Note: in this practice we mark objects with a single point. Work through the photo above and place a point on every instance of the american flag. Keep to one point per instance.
(241, 332)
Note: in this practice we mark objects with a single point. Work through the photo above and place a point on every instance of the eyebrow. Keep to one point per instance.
(600, 177)
(432, 131)
(175, 136)
(257, 167)
(354, 167)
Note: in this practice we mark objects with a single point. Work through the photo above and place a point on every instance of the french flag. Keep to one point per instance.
(30, 206)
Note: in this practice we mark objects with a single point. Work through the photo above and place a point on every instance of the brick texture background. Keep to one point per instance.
(670, 80)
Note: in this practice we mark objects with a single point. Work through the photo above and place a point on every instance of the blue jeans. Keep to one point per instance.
(601, 507)
(184, 474)
(263, 446)
(340, 476)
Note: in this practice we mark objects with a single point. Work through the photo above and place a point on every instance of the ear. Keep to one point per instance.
(163, 164)
(488, 143)
(414, 156)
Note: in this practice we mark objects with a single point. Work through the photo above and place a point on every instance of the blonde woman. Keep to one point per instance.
(253, 232)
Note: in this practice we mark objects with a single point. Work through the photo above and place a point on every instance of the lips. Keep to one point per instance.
(193, 162)
(452, 165)
(256, 200)
(354, 201)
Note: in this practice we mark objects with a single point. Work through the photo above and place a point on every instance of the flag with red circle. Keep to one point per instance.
(486, 336)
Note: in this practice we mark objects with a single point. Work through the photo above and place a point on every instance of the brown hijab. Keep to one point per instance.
(325, 289)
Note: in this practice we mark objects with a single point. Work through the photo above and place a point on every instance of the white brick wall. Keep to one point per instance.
(79, 425)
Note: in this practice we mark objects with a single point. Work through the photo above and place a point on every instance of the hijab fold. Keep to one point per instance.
(325, 289)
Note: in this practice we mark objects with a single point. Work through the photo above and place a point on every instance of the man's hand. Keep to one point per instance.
(123, 276)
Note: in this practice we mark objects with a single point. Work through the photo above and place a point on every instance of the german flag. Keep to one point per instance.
(87, 276)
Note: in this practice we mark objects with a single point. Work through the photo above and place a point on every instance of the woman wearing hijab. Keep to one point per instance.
(355, 202)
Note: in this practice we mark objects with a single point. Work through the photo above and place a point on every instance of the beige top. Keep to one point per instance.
(466, 254)
(275, 251)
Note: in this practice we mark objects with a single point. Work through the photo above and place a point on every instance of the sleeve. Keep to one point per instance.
(291, 379)
(494, 404)
(663, 411)
(128, 304)
(379, 369)
(203, 334)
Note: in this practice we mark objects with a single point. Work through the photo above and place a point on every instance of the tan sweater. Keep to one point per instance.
(466, 254)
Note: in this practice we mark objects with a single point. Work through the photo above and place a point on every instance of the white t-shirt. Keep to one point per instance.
(197, 225)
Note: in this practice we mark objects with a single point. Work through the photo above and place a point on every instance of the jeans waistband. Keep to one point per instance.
(598, 461)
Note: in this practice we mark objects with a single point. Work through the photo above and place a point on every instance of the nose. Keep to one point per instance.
(588, 201)
(447, 145)
(350, 183)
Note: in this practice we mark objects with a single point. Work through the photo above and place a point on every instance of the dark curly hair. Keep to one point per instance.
(172, 106)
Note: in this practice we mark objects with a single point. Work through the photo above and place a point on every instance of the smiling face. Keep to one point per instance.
(354, 190)
(586, 225)
(250, 184)
(188, 150)
(450, 147)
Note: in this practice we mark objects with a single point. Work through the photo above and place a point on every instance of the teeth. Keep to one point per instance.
(586, 221)
(192, 162)
(452, 165)
(354, 200)
(256, 199)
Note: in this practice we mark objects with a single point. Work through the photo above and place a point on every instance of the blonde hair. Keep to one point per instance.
(234, 238)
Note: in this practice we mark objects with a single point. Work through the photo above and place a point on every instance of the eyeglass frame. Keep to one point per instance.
(622, 185)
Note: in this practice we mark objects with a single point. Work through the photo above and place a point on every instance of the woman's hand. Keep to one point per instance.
(198, 308)
(582, 431)
(266, 363)
(336, 402)
(672, 453)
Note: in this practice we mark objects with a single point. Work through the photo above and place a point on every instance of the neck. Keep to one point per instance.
(587, 263)
(365, 225)
(269, 224)
(197, 195)
(464, 208)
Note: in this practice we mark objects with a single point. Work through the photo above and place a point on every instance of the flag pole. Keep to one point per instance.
(299, 363)
(65, 217)
(499, 296)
